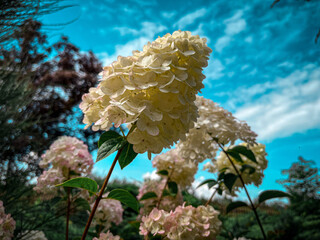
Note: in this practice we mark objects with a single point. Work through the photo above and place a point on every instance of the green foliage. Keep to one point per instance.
(127, 155)
(163, 172)
(234, 205)
(109, 142)
(148, 195)
(209, 182)
(270, 194)
(173, 188)
(237, 150)
(81, 182)
(229, 179)
(125, 197)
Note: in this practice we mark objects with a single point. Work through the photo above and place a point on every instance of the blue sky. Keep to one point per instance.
(264, 68)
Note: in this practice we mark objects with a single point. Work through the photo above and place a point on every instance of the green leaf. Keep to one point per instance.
(235, 205)
(127, 155)
(236, 156)
(80, 202)
(221, 176)
(210, 182)
(81, 182)
(247, 166)
(165, 193)
(148, 195)
(269, 194)
(108, 135)
(125, 197)
(173, 187)
(245, 152)
(163, 172)
(229, 180)
(110, 145)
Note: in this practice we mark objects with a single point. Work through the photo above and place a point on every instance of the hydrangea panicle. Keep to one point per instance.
(179, 170)
(33, 235)
(68, 157)
(7, 224)
(108, 211)
(107, 236)
(213, 122)
(185, 222)
(154, 89)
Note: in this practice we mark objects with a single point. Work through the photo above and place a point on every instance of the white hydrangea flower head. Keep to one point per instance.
(7, 224)
(108, 211)
(154, 90)
(198, 146)
(67, 157)
(167, 203)
(107, 236)
(255, 178)
(186, 222)
(221, 124)
(179, 170)
(33, 235)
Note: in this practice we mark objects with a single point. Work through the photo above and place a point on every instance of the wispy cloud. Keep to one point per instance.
(286, 106)
(146, 33)
(233, 26)
(190, 18)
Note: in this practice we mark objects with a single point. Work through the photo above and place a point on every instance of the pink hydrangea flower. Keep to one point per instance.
(7, 224)
(107, 236)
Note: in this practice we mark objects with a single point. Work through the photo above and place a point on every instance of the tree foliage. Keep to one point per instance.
(40, 88)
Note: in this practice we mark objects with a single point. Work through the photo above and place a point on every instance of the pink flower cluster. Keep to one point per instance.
(68, 157)
(108, 211)
(167, 202)
(107, 236)
(7, 224)
(186, 222)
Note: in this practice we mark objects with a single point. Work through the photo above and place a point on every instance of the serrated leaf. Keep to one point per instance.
(108, 135)
(210, 182)
(109, 146)
(148, 195)
(235, 205)
(247, 166)
(163, 172)
(127, 155)
(173, 187)
(229, 180)
(270, 194)
(125, 197)
(82, 182)
(245, 152)
(80, 202)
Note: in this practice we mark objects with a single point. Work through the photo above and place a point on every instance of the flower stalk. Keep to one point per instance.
(247, 193)
(96, 203)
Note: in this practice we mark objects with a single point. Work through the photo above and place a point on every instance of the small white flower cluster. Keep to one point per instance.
(108, 211)
(186, 222)
(154, 89)
(179, 170)
(34, 235)
(167, 202)
(7, 224)
(255, 178)
(107, 236)
(68, 157)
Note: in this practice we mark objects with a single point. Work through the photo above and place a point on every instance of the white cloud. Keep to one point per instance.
(168, 15)
(213, 71)
(286, 106)
(146, 33)
(152, 176)
(201, 192)
(190, 18)
(234, 26)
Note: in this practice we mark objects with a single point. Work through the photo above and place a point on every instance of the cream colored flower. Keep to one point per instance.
(253, 178)
(213, 122)
(179, 170)
(154, 90)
